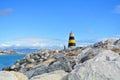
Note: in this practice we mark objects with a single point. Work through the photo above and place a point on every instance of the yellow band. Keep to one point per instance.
(71, 41)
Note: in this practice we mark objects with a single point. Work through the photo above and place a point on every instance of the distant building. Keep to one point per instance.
(64, 47)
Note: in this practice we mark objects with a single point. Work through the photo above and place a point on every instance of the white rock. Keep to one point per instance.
(27, 56)
(86, 52)
(19, 75)
(117, 43)
(106, 55)
(56, 75)
(4, 75)
(13, 66)
(111, 41)
(31, 60)
(104, 66)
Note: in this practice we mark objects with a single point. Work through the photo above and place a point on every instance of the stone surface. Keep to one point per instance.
(104, 66)
(56, 75)
(5, 75)
(48, 62)
(19, 76)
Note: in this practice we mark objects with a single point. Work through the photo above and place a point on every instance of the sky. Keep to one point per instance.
(34, 22)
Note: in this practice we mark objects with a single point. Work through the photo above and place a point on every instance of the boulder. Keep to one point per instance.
(73, 53)
(31, 60)
(48, 62)
(6, 75)
(56, 75)
(104, 66)
(117, 42)
(19, 75)
(110, 41)
(87, 54)
(29, 66)
(116, 49)
(36, 71)
(27, 57)
(66, 66)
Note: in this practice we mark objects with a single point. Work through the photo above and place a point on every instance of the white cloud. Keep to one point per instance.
(5, 11)
(33, 43)
(5, 45)
(104, 39)
(93, 41)
(46, 43)
(117, 9)
(86, 42)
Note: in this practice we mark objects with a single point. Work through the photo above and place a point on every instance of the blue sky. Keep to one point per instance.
(21, 20)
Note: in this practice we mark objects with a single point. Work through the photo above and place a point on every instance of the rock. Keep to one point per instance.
(73, 53)
(116, 49)
(36, 71)
(36, 57)
(22, 66)
(55, 52)
(110, 44)
(77, 51)
(98, 44)
(60, 66)
(92, 53)
(90, 56)
(31, 60)
(46, 69)
(70, 54)
(85, 50)
(40, 60)
(19, 75)
(56, 75)
(45, 58)
(110, 41)
(48, 62)
(60, 55)
(6, 69)
(30, 66)
(17, 64)
(42, 57)
(30, 56)
(106, 55)
(13, 67)
(87, 54)
(104, 66)
(117, 42)
(27, 57)
(6, 75)
(22, 61)
(47, 54)
(17, 61)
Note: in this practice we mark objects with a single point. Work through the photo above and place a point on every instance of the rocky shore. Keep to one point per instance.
(5, 52)
(100, 61)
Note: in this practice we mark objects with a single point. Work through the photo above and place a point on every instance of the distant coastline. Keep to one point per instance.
(5, 52)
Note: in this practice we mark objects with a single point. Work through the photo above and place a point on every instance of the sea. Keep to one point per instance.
(8, 60)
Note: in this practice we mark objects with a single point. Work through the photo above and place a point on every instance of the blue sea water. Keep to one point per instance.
(8, 60)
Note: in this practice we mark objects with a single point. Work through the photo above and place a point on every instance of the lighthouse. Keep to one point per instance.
(71, 42)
